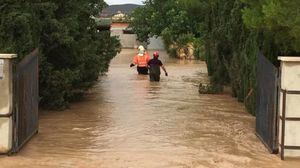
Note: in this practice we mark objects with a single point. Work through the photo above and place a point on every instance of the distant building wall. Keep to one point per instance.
(130, 40)
(127, 40)
(156, 44)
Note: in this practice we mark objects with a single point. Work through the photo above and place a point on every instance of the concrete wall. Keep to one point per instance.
(6, 102)
(290, 81)
(130, 40)
(156, 43)
(5, 88)
(127, 40)
(5, 134)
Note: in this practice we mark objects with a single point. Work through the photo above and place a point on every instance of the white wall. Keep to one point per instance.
(290, 80)
(130, 40)
(6, 102)
(156, 44)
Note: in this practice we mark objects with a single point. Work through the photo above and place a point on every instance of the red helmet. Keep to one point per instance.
(156, 54)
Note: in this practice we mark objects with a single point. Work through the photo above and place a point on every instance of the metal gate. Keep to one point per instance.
(267, 111)
(26, 100)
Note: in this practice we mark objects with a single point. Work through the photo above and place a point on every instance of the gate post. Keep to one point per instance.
(6, 102)
(289, 107)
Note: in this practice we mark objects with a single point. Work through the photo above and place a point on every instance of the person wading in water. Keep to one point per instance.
(154, 66)
(141, 60)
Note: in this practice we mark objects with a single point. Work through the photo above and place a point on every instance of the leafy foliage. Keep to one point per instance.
(162, 18)
(232, 33)
(73, 53)
(277, 17)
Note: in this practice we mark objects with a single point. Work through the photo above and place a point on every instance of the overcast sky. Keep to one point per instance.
(114, 2)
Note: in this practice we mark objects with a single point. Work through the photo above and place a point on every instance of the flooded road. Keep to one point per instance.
(126, 121)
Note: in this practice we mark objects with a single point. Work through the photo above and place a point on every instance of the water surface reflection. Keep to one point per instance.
(126, 121)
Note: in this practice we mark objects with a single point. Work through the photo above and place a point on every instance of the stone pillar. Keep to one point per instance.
(289, 107)
(6, 101)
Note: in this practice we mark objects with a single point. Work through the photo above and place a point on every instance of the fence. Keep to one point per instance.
(26, 100)
(267, 96)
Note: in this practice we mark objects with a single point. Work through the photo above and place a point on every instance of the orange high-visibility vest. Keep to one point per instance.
(141, 61)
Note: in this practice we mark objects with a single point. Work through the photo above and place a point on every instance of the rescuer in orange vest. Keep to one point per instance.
(141, 60)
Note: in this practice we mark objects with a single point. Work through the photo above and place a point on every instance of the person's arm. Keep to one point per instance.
(135, 61)
(163, 67)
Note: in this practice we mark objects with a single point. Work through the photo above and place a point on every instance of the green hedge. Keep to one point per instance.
(232, 33)
(73, 53)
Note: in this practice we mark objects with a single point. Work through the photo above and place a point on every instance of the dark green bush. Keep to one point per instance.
(72, 53)
(172, 52)
(232, 33)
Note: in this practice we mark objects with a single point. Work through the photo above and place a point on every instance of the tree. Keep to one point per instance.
(73, 53)
(277, 17)
(232, 32)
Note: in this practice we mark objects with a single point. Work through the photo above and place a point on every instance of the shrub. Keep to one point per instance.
(73, 53)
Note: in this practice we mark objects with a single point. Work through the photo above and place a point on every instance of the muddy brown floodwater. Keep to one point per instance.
(126, 121)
